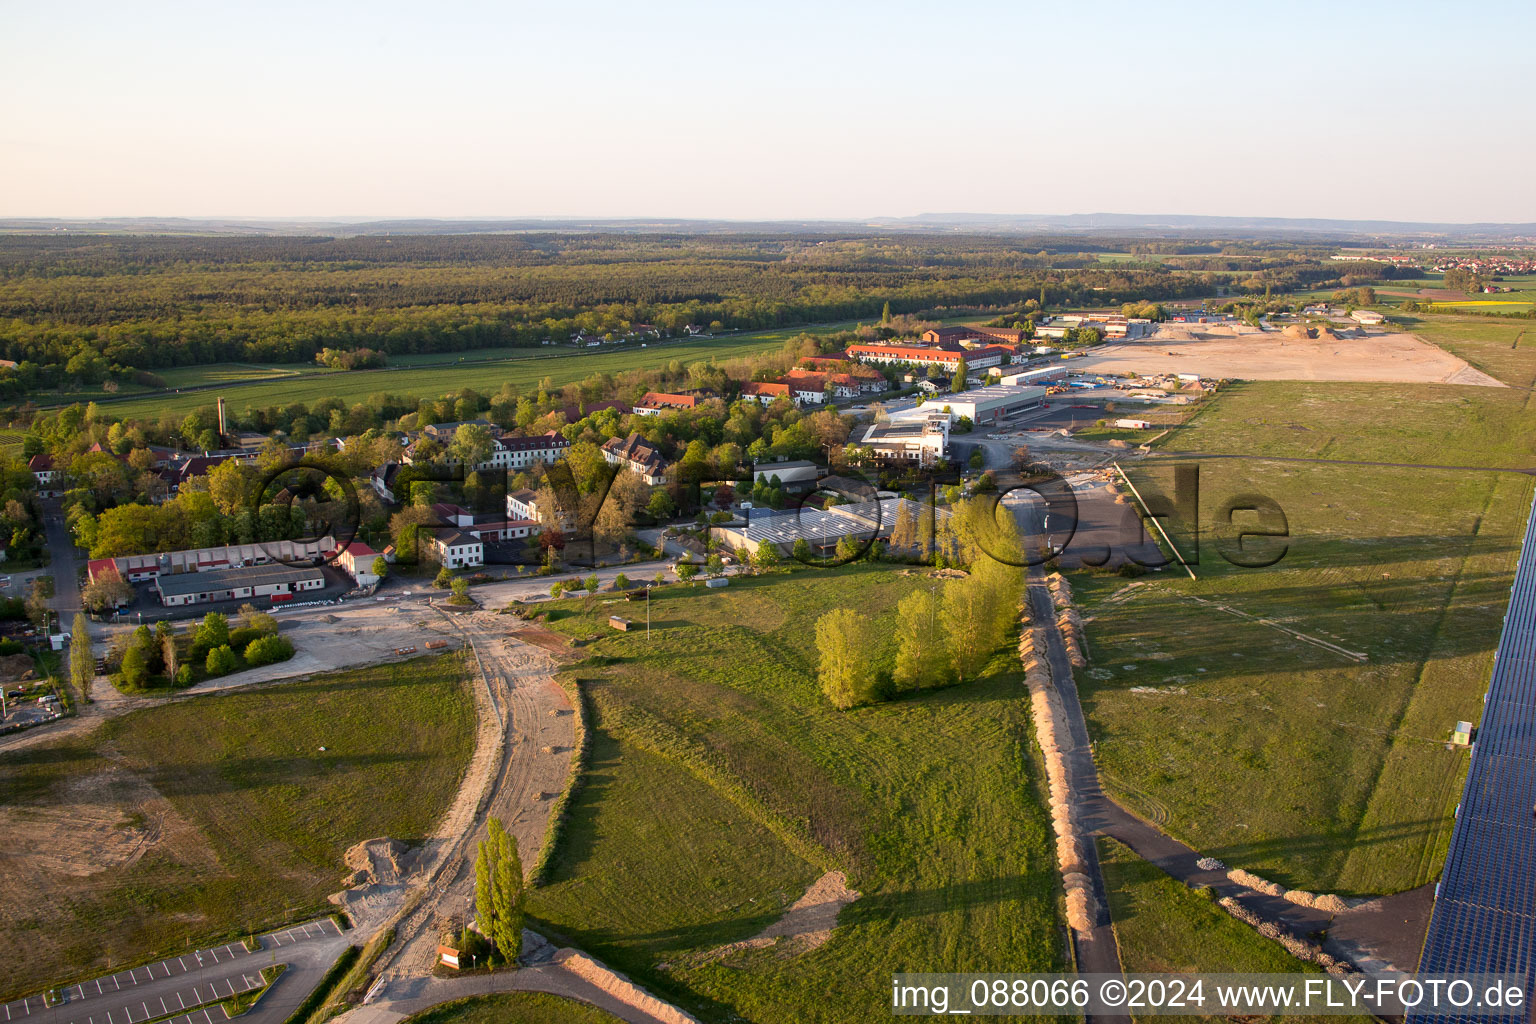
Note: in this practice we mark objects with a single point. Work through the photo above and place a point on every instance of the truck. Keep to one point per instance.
(1134, 424)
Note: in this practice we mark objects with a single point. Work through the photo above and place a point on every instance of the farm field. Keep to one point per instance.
(514, 1008)
(220, 815)
(721, 783)
(232, 373)
(1348, 786)
(430, 381)
(1161, 926)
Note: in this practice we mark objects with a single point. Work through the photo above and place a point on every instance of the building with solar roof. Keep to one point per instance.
(823, 528)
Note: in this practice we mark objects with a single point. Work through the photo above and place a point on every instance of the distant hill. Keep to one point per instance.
(1122, 225)
(1181, 224)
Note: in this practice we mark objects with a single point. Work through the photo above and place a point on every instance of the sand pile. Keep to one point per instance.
(620, 987)
(1174, 334)
(377, 862)
(1298, 332)
(1050, 722)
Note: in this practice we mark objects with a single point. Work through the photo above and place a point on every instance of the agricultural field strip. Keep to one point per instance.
(126, 996)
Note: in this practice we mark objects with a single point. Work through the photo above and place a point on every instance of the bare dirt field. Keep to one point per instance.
(1245, 353)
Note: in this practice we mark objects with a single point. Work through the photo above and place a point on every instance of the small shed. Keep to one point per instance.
(449, 957)
(619, 623)
(1462, 734)
(716, 582)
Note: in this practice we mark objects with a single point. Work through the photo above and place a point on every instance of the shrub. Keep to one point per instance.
(184, 676)
(240, 639)
(221, 661)
(444, 579)
(212, 633)
(9, 646)
(268, 649)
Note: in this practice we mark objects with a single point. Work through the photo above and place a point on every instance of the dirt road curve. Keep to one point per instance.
(519, 786)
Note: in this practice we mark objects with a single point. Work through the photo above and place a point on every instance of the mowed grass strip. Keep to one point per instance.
(452, 370)
(1274, 753)
(1162, 926)
(514, 1008)
(723, 782)
(217, 816)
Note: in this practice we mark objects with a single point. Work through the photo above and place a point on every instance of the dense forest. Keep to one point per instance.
(88, 309)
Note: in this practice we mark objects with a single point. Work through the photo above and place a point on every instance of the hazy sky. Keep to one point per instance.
(775, 109)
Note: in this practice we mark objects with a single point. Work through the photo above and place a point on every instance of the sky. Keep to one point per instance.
(771, 110)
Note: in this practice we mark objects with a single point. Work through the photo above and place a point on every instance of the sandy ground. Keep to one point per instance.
(522, 757)
(1244, 353)
(805, 926)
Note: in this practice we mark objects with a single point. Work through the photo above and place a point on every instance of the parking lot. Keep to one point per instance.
(171, 986)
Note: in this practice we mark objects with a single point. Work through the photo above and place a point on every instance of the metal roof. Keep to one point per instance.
(1484, 919)
(863, 519)
(215, 580)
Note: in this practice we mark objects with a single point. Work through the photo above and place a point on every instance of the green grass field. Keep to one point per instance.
(1501, 348)
(722, 782)
(1271, 752)
(514, 1008)
(231, 373)
(219, 815)
(435, 375)
(1161, 926)
(10, 441)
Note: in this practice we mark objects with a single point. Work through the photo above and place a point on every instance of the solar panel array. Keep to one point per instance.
(1485, 906)
(859, 520)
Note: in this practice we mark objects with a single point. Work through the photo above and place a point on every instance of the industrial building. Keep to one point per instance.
(823, 528)
(138, 568)
(921, 439)
(986, 405)
(279, 582)
(1037, 376)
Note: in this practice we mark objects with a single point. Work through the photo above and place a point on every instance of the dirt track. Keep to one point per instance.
(1243, 353)
(537, 724)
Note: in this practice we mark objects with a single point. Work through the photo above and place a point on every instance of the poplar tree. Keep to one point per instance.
(82, 660)
(499, 890)
(843, 643)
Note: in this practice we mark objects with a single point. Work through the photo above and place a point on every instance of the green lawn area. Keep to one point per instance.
(721, 782)
(1276, 754)
(1505, 349)
(217, 816)
(10, 441)
(434, 375)
(514, 1008)
(1161, 926)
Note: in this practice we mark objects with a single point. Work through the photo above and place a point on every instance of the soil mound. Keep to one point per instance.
(377, 861)
(16, 667)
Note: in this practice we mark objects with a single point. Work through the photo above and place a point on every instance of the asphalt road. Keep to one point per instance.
(64, 565)
(196, 980)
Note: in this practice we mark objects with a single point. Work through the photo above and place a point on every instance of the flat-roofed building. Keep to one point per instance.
(985, 405)
(236, 584)
(923, 440)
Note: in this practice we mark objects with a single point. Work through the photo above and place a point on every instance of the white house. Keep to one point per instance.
(458, 550)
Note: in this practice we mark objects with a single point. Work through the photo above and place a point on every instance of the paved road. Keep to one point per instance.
(65, 564)
(194, 980)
